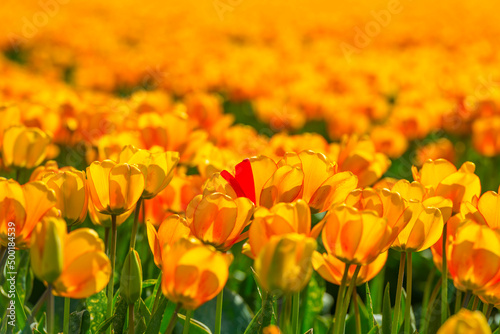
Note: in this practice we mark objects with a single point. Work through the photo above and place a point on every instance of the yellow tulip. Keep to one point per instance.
(354, 236)
(50, 166)
(85, 267)
(157, 168)
(466, 322)
(284, 264)
(173, 228)
(114, 188)
(71, 193)
(24, 206)
(24, 147)
(207, 270)
(219, 220)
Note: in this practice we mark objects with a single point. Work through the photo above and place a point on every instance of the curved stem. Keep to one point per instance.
(340, 298)
(295, 312)
(444, 281)
(136, 222)
(408, 293)
(67, 302)
(218, 312)
(173, 320)
(395, 320)
(112, 252)
(347, 299)
(131, 319)
(50, 312)
(187, 322)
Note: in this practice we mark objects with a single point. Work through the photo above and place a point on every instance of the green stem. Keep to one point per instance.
(50, 312)
(488, 312)
(136, 223)
(444, 281)
(427, 293)
(468, 293)
(347, 299)
(131, 319)
(408, 292)
(18, 175)
(37, 306)
(67, 302)
(432, 299)
(187, 322)
(295, 312)
(340, 298)
(173, 320)
(395, 320)
(106, 240)
(357, 317)
(218, 312)
(157, 297)
(475, 303)
(112, 252)
(3, 261)
(458, 301)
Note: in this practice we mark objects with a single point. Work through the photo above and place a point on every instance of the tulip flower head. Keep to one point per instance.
(466, 322)
(114, 188)
(74, 263)
(193, 273)
(24, 147)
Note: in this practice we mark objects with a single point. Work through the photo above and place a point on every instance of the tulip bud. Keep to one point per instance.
(284, 264)
(46, 249)
(466, 322)
(131, 278)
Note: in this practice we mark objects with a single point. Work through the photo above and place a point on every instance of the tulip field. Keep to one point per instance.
(249, 167)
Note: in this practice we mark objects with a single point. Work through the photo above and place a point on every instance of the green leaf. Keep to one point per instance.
(377, 291)
(79, 322)
(374, 330)
(167, 315)
(155, 291)
(312, 301)
(97, 307)
(369, 306)
(141, 316)
(104, 326)
(195, 327)
(154, 324)
(20, 314)
(386, 311)
(121, 309)
(254, 325)
(321, 325)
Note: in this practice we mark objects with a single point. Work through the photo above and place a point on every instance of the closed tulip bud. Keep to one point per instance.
(71, 194)
(157, 168)
(24, 147)
(466, 322)
(284, 264)
(207, 270)
(131, 278)
(218, 219)
(46, 249)
(24, 206)
(114, 188)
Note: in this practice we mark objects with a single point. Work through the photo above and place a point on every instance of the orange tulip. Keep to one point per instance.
(485, 210)
(354, 236)
(71, 193)
(114, 188)
(474, 257)
(441, 178)
(466, 322)
(24, 147)
(283, 218)
(75, 263)
(157, 168)
(219, 220)
(206, 269)
(284, 263)
(332, 269)
(24, 206)
(171, 229)
(49, 167)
